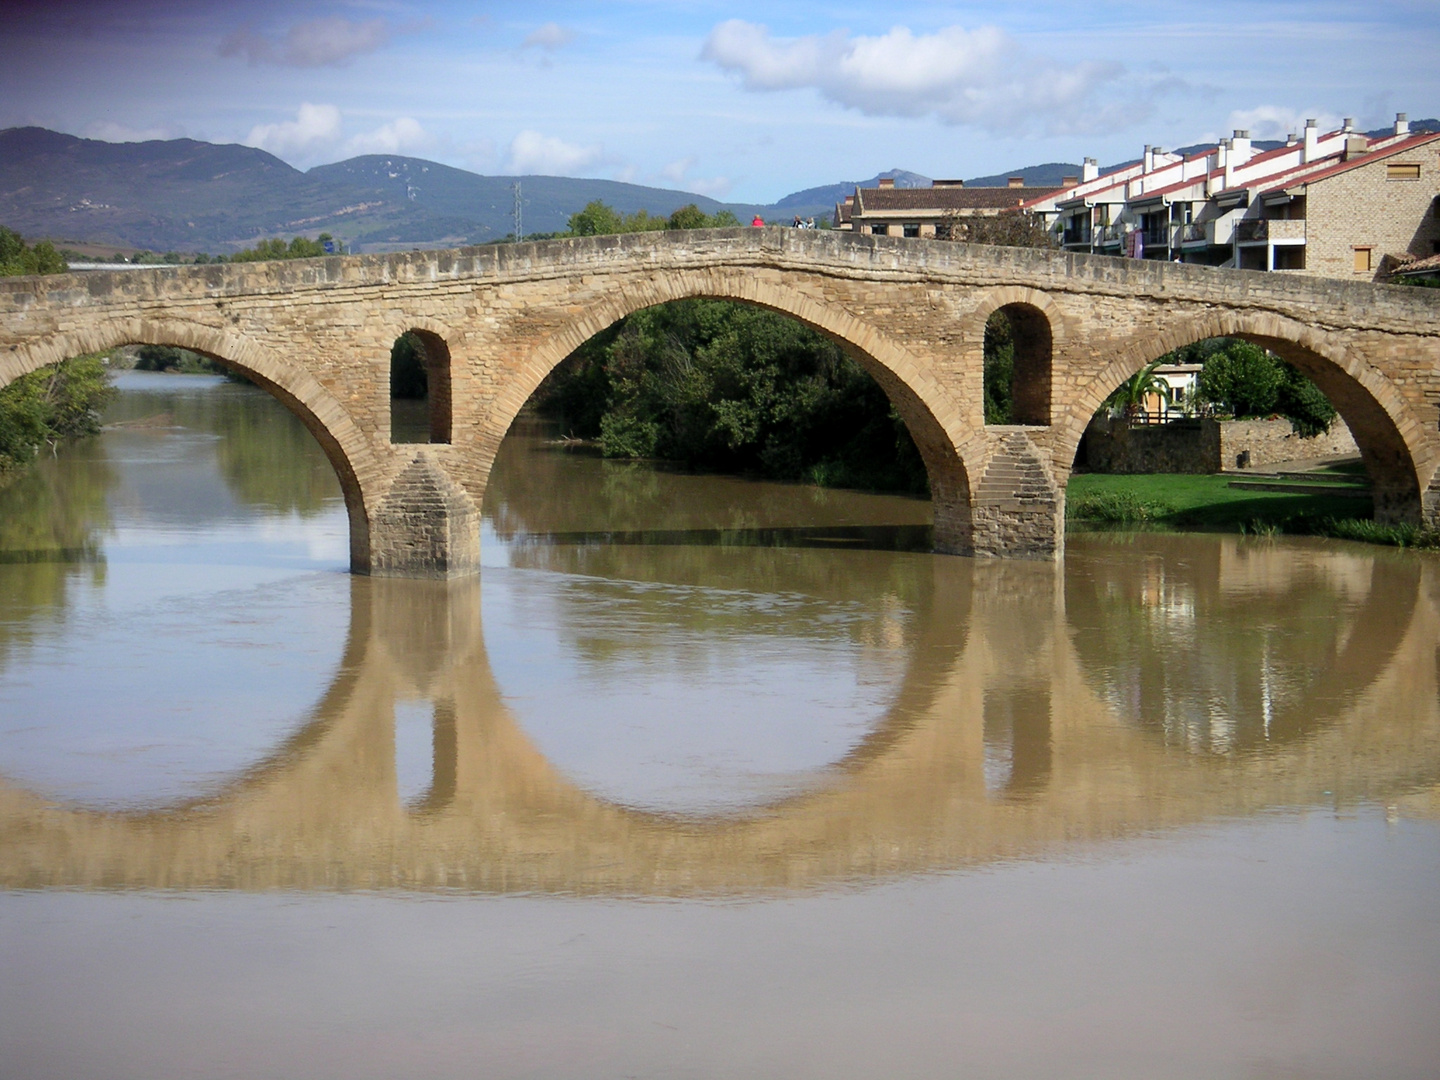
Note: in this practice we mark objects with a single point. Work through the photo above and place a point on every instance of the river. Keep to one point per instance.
(702, 777)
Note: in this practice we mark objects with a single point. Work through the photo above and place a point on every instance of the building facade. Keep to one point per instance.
(1336, 204)
(936, 211)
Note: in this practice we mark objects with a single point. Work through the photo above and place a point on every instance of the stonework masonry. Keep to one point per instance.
(1369, 208)
(317, 334)
(1205, 445)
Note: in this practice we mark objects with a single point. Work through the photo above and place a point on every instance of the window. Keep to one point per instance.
(912, 230)
(1363, 264)
(1401, 171)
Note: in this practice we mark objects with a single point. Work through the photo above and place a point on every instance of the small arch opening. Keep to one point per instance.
(420, 398)
(1018, 352)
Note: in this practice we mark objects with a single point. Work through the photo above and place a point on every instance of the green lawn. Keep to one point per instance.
(1204, 502)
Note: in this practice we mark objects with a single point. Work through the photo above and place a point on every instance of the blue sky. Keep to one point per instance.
(738, 100)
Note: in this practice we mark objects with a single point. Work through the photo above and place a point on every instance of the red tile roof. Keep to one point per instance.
(870, 200)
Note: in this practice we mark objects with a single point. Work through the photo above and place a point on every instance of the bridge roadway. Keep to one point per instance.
(495, 320)
(324, 811)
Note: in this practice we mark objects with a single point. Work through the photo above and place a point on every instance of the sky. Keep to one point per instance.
(737, 100)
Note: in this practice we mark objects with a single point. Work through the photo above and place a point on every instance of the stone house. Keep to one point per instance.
(926, 212)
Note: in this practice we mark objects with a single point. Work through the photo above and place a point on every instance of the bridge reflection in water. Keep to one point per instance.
(1145, 683)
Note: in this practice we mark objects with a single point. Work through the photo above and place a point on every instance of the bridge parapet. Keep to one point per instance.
(317, 333)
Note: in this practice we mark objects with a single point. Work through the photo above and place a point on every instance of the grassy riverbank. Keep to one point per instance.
(1210, 503)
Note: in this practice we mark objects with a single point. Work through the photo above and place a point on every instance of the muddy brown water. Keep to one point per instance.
(702, 777)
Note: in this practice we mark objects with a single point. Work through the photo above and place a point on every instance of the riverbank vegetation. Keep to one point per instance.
(56, 403)
(1169, 501)
(49, 406)
(729, 387)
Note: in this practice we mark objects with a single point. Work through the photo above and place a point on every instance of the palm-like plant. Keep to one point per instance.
(1129, 398)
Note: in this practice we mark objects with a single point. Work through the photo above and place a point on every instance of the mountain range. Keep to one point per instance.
(190, 196)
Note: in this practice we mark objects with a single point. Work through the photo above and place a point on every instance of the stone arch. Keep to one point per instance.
(1388, 434)
(1039, 331)
(345, 446)
(929, 411)
(435, 339)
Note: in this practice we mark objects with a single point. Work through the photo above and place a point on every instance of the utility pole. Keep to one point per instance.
(518, 217)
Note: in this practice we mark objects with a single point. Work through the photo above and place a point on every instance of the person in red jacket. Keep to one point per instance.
(759, 222)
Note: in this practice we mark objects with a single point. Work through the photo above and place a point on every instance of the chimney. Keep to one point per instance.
(1090, 170)
(1015, 181)
(887, 182)
(849, 200)
(1355, 145)
(1312, 142)
(1349, 124)
(1227, 161)
(1240, 144)
(1069, 181)
(1147, 159)
(1291, 138)
(1402, 124)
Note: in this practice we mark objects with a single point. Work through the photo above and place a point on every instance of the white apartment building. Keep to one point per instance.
(1333, 204)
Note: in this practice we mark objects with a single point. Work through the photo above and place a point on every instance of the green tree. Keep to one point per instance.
(598, 219)
(999, 370)
(16, 258)
(1246, 381)
(1130, 397)
(725, 386)
(275, 248)
(408, 377)
(48, 406)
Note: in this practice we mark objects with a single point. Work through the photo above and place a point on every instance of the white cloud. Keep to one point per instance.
(549, 37)
(1276, 121)
(313, 125)
(980, 77)
(328, 42)
(676, 170)
(403, 135)
(678, 173)
(531, 152)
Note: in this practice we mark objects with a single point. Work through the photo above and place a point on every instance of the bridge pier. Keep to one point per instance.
(1017, 510)
(426, 526)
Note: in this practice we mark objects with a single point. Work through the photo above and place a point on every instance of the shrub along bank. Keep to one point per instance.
(46, 407)
(1169, 501)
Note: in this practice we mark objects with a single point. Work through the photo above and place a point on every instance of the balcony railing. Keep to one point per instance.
(1076, 236)
(1194, 233)
(1252, 231)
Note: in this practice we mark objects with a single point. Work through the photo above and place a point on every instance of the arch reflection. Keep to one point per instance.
(1007, 739)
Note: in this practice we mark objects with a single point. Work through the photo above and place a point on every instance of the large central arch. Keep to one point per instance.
(344, 445)
(931, 414)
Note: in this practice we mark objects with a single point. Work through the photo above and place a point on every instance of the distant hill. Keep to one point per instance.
(1048, 175)
(184, 195)
(830, 194)
(189, 196)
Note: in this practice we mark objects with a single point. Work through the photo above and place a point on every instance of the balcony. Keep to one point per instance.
(1078, 236)
(1109, 236)
(1252, 231)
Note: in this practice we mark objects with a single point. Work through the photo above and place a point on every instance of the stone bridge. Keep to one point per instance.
(318, 333)
(916, 795)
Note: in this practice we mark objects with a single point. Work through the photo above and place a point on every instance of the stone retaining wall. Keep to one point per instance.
(1205, 446)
